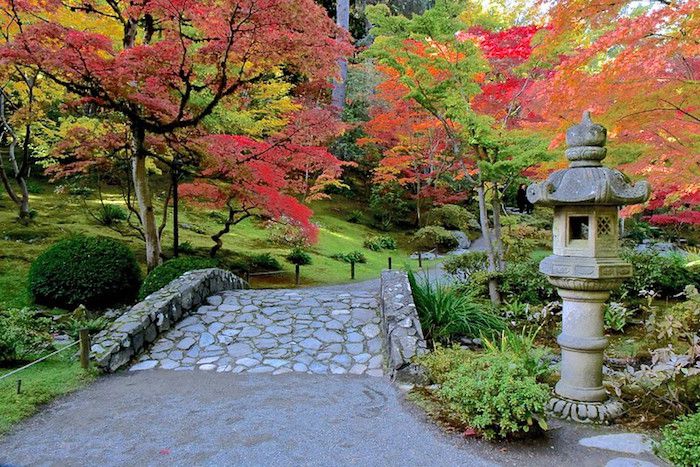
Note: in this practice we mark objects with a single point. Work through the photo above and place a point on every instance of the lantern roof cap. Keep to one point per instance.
(586, 180)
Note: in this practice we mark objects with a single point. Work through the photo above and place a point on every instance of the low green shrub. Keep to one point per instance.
(616, 316)
(264, 262)
(298, 257)
(497, 395)
(446, 314)
(453, 217)
(96, 272)
(464, 265)
(22, 334)
(355, 216)
(110, 214)
(521, 348)
(186, 248)
(172, 269)
(524, 281)
(434, 237)
(72, 326)
(666, 275)
(442, 360)
(380, 242)
(351, 257)
(680, 443)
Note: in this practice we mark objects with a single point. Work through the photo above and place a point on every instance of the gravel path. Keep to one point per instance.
(164, 417)
(161, 417)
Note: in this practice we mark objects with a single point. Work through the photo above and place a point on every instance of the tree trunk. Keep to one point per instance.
(340, 85)
(20, 171)
(497, 235)
(143, 197)
(494, 295)
(176, 228)
(231, 220)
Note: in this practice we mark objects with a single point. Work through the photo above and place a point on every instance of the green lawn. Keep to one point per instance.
(41, 383)
(59, 215)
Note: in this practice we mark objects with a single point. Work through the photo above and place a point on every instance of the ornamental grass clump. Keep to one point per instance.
(446, 313)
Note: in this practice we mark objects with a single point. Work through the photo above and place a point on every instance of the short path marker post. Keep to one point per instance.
(297, 274)
(389, 262)
(420, 260)
(19, 386)
(84, 349)
(352, 270)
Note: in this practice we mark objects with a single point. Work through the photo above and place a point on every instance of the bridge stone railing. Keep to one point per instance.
(136, 329)
(404, 336)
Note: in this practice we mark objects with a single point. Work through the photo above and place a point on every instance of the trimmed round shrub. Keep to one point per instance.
(172, 269)
(523, 280)
(298, 257)
(380, 242)
(681, 441)
(351, 257)
(97, 272)
(264, 262)
(453, 217)
(436, 237)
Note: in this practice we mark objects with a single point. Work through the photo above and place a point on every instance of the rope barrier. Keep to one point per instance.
(38, 361)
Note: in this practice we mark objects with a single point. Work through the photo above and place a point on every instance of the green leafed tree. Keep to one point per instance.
(469, 77)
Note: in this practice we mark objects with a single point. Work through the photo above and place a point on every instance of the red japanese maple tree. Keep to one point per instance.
(164, 66)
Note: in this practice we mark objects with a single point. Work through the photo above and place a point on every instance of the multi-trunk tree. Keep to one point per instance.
(468, 79)
(163, 67)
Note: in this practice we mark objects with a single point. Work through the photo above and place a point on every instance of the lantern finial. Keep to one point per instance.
(586, 143)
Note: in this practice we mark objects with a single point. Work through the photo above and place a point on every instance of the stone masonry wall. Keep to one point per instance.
(136, 329)
(404, 336)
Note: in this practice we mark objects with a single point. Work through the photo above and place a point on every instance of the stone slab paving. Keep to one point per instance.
(628, 443)
(276, 331)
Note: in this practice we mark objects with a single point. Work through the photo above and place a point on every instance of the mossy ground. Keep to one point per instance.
(60, 215)
(40, 384)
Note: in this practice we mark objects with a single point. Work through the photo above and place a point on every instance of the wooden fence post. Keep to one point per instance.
(84, 348)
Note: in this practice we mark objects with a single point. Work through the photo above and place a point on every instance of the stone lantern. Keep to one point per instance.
(585, 266)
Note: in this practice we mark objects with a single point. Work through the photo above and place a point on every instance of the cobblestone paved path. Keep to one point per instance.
(316, 331)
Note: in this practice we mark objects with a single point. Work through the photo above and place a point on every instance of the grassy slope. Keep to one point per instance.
(41, 383)
(61, 215)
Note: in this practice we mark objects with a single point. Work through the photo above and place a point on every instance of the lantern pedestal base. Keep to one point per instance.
(585, 412)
